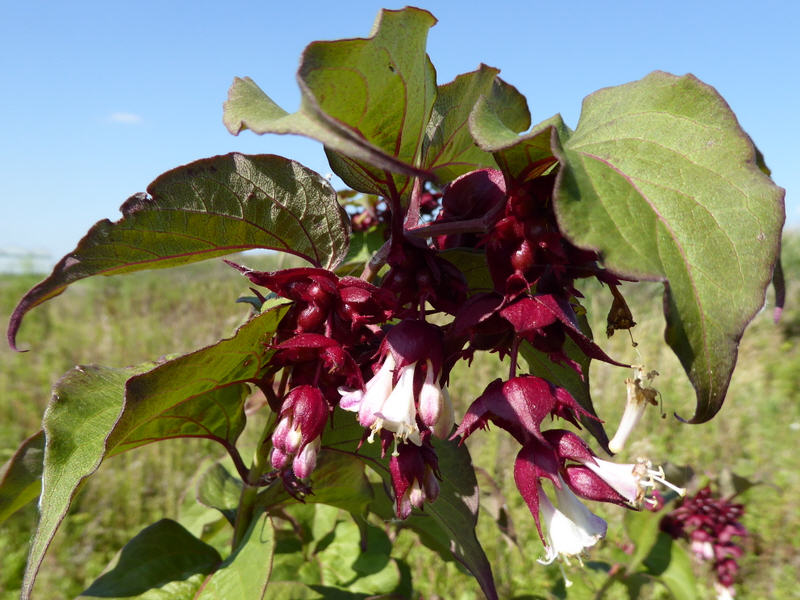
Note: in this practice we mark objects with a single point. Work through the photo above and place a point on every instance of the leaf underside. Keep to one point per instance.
(660, 179)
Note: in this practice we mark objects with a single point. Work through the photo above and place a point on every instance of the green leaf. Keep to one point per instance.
(662, 181)
(338, 480)
(642, 528)
(496, 122)
(472, 263)
(245, 573)
(368, 100)
(448, 148)
(20, 477)
(206, 209)
(499, 116)
(345, 565)
(429, 532)
(197, 395)
(521, 158)
(98, 411)
(670, 564)
(456, 510)
(162, 561)
(219, 489)
(83, 409)
(363, 246)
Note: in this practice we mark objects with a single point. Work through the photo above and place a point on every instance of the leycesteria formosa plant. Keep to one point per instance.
(466, 230)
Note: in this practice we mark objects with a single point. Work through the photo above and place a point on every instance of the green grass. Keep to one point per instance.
(126, 320)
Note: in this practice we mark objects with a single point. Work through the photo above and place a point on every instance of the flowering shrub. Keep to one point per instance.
(484, 236)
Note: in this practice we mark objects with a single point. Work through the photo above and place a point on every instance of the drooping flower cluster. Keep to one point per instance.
(520, 405)
(373, 350)
(710, 523)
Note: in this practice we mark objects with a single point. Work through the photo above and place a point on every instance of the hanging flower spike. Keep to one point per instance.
(414, 472)
(323, 301)
(303, 417)
(710, 523)
(640, 394)
(392, 396)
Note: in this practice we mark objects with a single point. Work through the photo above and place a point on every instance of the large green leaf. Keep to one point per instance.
(162, 561)
(368, 100)
(199, 394)
(520, 157)
(448, 148)
(245, 573)
(209, 208)
(83, 409)
(345, 565)
(20, 477)
(97, 412)
(662, 181)
(456, 511)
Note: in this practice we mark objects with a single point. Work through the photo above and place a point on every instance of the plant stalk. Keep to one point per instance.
(246, 509)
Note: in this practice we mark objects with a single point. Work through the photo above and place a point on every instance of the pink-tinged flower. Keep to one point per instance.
(398, 413)
(306, 460)
(303, 416)
(602, 480)
(571, 528)
(435, 406)
(394, 397)
(639, 395)
(414, 472)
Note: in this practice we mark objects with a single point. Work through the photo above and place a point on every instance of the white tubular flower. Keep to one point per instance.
(625, 478)
(571, 528)
(638, 398)
(398, 413)
(369, 401)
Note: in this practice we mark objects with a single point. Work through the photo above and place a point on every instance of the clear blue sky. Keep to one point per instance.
(98, 98)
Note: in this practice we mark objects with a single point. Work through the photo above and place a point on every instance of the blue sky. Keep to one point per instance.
(101, 97)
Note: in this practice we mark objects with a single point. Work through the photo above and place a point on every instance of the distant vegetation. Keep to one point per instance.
(756, 433)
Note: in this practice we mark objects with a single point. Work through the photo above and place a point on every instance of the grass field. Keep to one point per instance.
(129, 319)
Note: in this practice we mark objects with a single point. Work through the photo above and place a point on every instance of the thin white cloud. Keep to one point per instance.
(125, 118)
